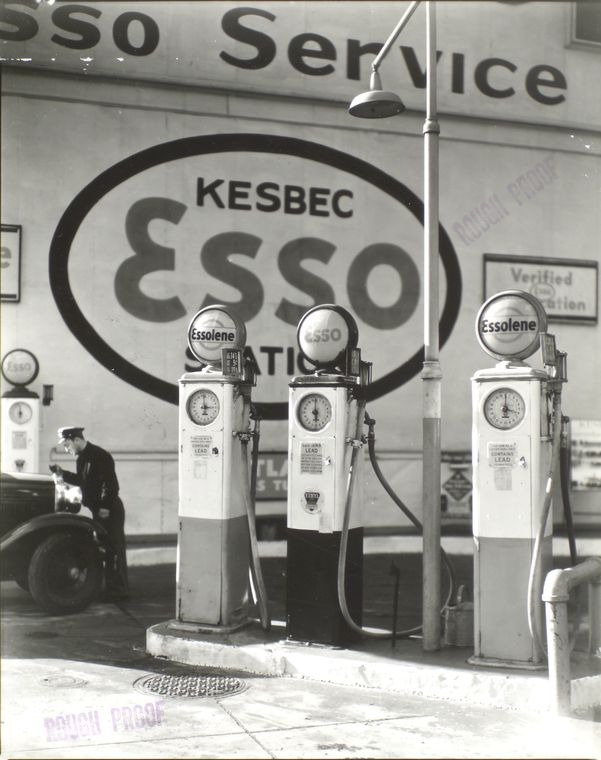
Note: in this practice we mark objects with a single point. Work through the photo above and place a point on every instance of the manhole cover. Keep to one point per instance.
(58, 681)
(190, 686)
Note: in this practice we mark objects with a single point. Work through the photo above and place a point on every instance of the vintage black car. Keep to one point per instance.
(46, 546)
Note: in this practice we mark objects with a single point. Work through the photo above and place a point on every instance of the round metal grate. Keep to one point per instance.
(190, 686)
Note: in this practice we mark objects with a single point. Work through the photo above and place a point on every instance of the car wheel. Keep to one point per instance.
(65, 573)
(23, 582)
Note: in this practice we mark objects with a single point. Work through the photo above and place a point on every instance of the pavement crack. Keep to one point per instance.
(125, 611)
(243, 727)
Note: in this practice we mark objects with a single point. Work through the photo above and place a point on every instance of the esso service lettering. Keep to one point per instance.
(325, 335)
(79, 21)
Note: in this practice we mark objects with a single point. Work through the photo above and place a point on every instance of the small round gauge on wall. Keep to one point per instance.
(504, 408)
(203, 407)
(314, 411)
(20, 412)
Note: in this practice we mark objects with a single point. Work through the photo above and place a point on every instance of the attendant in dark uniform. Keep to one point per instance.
(97, 479)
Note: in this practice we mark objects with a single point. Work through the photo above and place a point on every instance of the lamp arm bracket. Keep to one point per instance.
(393, 36)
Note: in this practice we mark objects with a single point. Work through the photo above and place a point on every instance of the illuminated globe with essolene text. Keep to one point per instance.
(211, 330)
(509, 324)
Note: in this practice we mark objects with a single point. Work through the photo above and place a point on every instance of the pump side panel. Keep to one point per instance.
(501, 569)
(212, 581)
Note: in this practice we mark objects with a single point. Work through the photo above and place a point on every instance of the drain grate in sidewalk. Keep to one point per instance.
(190, 686)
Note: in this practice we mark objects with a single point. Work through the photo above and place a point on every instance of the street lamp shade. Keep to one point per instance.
(376, 103)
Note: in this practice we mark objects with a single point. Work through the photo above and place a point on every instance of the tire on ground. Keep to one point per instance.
(65, 573)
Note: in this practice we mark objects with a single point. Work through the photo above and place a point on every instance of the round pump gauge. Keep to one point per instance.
(504, 408)
(203, 407)
(20, 412)
(314, 411)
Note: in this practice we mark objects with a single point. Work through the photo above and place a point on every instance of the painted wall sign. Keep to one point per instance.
(567, 288)
(10, 262)
(272, 475)
(585, 444)
(268, 225)
(294, 48)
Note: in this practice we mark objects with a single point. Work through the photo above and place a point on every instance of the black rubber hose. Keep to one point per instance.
(371, 444)
(564, 471)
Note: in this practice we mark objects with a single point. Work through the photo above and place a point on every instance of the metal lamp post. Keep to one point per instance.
(378, 103)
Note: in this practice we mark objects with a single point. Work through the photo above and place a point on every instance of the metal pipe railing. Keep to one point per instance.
(556, 594)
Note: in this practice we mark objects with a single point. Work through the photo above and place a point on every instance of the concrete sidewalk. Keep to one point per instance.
(67, 709)
(74, 686)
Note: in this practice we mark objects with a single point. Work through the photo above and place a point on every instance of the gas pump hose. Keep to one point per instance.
(564, 475)
(534, 578)
(250, 480)
(356, 443)
(559, 456)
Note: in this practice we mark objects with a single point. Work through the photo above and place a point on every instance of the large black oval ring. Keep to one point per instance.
(186, 147)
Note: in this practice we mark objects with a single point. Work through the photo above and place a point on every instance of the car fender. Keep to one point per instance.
(52, 522)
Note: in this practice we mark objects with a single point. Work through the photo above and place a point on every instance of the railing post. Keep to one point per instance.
(556, 594)
(594, 616)
(559, 657)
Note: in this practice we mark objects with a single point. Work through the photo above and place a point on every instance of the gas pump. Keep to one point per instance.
(516, 413)
(20, 413)
(326, 411)
(216, 528)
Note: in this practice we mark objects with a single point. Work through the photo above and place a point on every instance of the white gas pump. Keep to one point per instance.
(216, 530)
(20, 413)
(516, 415)
(325, 422)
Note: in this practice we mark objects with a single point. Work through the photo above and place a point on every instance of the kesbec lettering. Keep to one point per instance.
(240, 195)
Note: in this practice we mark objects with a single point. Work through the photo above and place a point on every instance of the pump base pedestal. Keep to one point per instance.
(491, 662)
(313, 612)
(178, 625)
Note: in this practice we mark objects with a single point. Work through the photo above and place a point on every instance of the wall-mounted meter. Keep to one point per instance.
(325, 413)
(213, 538)
(511, 453)
(20, 413)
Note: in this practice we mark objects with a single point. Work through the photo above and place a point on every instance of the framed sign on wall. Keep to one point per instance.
(10, 261)
(567, 288)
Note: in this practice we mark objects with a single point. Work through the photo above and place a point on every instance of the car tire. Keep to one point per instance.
(23, 582)
(65, 573)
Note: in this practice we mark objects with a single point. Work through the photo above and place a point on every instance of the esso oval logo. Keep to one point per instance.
(325, 332)
(213, 329)
(267, 225)
(509, 323)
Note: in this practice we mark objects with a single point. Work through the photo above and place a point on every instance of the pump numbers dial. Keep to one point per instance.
(203, 407)
(20, 412)
(504, 408)
(314, 411)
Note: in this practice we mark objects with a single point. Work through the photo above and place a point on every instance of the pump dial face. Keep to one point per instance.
(504, 408)
(314, 411)
(20, 412)
(203, 407)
